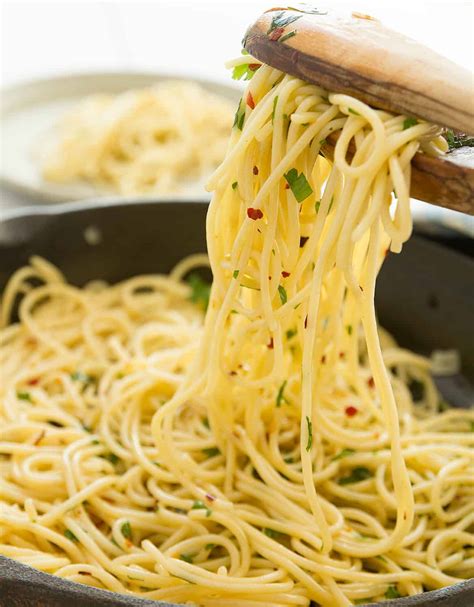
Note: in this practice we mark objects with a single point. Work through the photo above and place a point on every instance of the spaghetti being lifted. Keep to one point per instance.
(287, 462)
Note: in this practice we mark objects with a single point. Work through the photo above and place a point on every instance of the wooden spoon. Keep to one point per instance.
(357, 55)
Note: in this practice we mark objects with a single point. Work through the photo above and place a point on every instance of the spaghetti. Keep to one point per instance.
(272, 454)
(160, 140)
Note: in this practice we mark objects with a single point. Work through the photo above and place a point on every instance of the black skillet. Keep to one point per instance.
(424, 297)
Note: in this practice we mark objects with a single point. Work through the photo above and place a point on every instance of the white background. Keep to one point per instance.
(188, 37)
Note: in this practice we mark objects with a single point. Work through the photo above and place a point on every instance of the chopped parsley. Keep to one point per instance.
(272, 533)
(283, 295)
(287, 36)
(349, 329)
(126, 530)
(234, 185)
(244, 71)
(408, 122)
(392, 593)
(200, 290)
(24, 396)
(111, 457)
(239, 116)
(209, 546)
(343, 453)
(211, 451)
(298, 184)
(275, 101)
(80, 376)
(281, 20)
(187, 558)
(235, 273)
(309, 442)
(291, 333)
(200, 505)
(361, 473)
(280, 395)
(317, 206)
(70, 535)
(458, 140)
(352, 111)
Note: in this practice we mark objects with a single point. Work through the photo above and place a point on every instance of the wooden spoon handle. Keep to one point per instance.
(357, 55)
(446, 181)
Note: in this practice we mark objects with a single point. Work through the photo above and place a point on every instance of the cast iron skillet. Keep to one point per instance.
(424, 297)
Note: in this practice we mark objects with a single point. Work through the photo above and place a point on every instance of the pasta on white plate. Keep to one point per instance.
(158, 140)
(271, 452)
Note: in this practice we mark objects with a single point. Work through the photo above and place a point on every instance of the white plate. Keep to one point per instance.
(29, 112)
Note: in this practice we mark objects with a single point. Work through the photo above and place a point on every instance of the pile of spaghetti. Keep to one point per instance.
(269, 452)
(157, 140)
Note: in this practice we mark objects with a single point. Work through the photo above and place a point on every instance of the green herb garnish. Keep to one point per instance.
(357, 474)
(343, 453)
(349, 329)
(275, 101)
(244, 71)
(351, 111)
(408, 122)
(200, 505)
(235, 273)
(126, 530)
(272, 533)
(298, 184)
(200, 290)
(458, 140)
(111, 457)
(280, 396)
(70, 535)
(392, 593)
(287, 36)
(309, 442)
(283, 295)
(239, 116)
(317, 206)
(80, 376)
(211, 451)
(282, 20)
(291, 333)
(187, 558)
(234, 185)
(209, 546)
(24, 396)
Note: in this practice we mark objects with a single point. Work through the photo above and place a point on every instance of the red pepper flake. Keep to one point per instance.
(255, 170)
(285, 274)
(371, 382)
(254, 213)
(276, 34)
(342, 355)
(210, 497)
(270, 344)
(323, 359)
(33, 382)
(303, 240)
(351, 411)
(253, 67)
(250, 101)
(233, 373)
(306, 321)
(287, 186)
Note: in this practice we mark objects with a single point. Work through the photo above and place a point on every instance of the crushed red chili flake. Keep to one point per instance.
(210, 497)
(323, 359)
(254, 213)
(250, 101)
(276, 34)
(33, 382)
(306, 322)
(342, 355)
(303, 240)
(233, 373)
(371, 382)
(253, 67)
(40, 437)
(255, 170)
(287, 186)
(270, 344)
(285, 274)
(351, 411)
